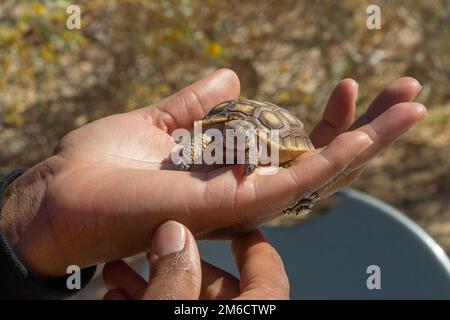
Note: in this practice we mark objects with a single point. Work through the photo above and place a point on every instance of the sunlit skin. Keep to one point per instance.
(102, 193)
(184, 276)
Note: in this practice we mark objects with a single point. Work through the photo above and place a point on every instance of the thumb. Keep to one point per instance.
(175, 270)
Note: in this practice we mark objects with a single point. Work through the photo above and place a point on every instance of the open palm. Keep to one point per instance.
(107, 191)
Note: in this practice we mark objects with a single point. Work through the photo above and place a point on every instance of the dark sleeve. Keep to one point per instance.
(16, 282)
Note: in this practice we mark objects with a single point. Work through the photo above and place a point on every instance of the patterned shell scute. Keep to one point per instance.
(246, 109)
(217, 109)
(271, 119)
(265, 116)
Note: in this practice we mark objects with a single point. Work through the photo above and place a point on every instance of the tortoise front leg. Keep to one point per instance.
(193, 152)
(251, 159)
(251, 148)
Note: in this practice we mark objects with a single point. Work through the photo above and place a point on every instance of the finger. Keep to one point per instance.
(338, 115)
(207, 201)
(114, 294)
(119, 275)
(230, 205)
(383, 131)
(308, 173)
(340, 181)
(175, 264)
(181, 109)
(261, 268)
(401, 90)
(388, 127)
(218, 284)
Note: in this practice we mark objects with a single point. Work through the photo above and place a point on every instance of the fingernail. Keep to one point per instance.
(169, 238)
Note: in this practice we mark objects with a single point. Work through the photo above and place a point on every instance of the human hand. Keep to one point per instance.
(103, 192)
(176, 271)
(389, 116)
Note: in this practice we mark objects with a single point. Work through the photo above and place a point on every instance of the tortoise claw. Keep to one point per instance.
(249, 169)
(184, 166)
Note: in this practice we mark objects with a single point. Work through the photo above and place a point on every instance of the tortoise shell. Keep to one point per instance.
(265, 116)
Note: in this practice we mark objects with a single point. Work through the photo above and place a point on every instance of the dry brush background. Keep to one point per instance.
(132, 53)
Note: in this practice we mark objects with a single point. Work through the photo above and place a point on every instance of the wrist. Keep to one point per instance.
(23, 201)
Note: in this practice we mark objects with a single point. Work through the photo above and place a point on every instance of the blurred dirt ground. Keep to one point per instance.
(132, 53)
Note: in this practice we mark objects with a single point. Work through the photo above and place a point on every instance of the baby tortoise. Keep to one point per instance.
(261, 118)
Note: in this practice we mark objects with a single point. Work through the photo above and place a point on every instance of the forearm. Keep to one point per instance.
(23, 264)
(22, 201)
